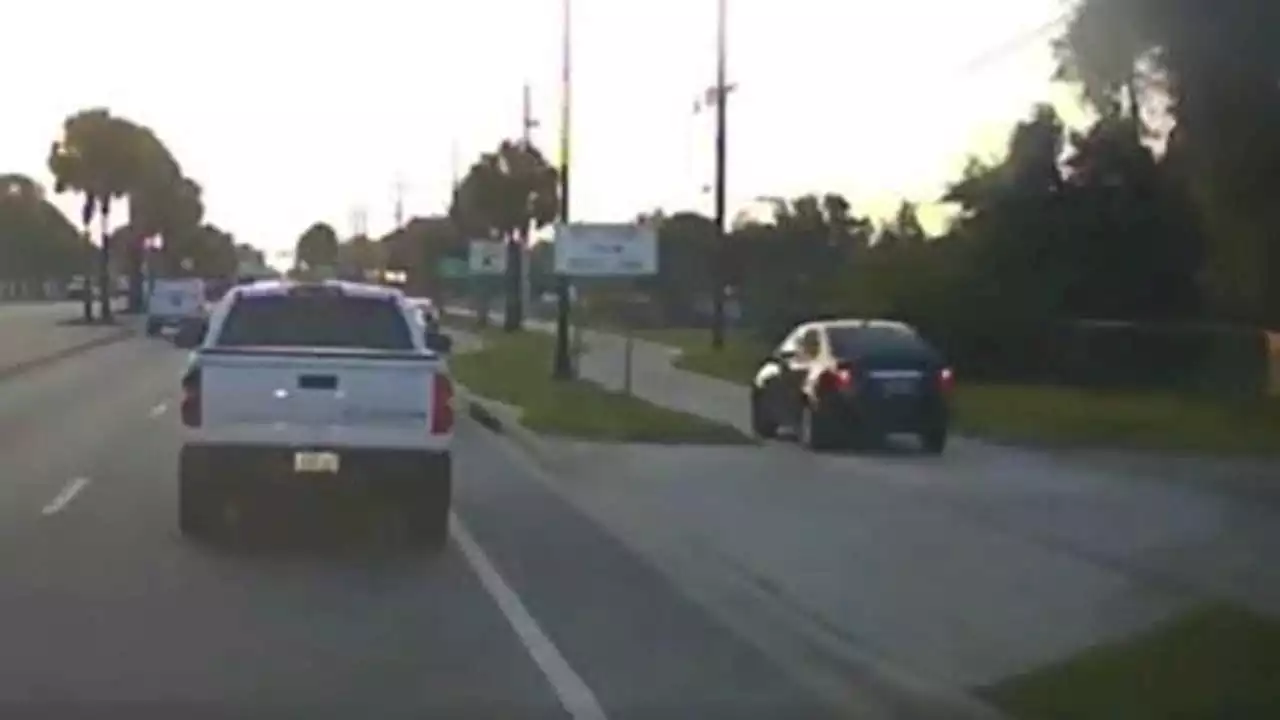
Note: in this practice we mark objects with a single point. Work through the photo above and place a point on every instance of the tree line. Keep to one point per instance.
(106, 159)
(507, 194)
(1140, 249)
(38, 245)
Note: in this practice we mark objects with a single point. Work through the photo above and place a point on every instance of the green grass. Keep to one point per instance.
(1148, 421)
(1215, 662)
(515, 368)
(736, 362)
(1048, 415)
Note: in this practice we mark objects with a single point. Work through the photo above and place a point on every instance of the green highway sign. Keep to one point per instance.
(454, 268)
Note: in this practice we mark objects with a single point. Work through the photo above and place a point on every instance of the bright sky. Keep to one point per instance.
(290, 112)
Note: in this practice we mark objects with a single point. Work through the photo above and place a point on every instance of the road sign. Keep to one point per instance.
(487, 257)
(453, 268)
(606, 250)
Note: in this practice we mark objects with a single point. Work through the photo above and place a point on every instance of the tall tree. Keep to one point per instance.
(903, 230)
(358, 257)
(163, 202)
(687, 246)
(507, 194)
(317, 248)
(37, 242)
(95, 157)
(1217, 67)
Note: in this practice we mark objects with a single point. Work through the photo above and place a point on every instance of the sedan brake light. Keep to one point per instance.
(946, 380)
(837, 379)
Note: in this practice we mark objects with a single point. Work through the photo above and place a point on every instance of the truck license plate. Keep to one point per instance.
(315, 462)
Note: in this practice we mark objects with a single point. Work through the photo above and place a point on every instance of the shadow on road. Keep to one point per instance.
(361, 536)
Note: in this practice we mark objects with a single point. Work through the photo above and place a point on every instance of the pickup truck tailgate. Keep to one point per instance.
(314, 390)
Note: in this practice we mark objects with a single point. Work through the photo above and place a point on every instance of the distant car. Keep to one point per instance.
(175, 302)
(833, 382)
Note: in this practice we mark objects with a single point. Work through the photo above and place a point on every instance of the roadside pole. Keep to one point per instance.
(628, 353)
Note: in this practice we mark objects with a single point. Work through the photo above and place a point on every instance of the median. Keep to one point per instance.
(515, 369)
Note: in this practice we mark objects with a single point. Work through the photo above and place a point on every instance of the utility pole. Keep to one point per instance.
(453, 165)
(399, 202)
(721, 259)
(562, 368)
(527, 125)
(357, 220)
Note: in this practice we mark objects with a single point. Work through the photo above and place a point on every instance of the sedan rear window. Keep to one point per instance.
(852, 340)
(316, 321)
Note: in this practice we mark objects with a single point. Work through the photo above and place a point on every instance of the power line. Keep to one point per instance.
(1012, 45)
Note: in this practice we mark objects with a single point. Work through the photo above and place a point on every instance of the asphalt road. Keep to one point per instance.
(533, 611)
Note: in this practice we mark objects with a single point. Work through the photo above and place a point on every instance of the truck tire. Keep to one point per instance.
(153, 328)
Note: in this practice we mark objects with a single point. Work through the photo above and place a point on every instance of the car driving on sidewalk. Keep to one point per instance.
(325, 391)
(836, 381)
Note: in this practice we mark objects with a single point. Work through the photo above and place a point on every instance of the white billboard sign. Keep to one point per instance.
(606, 250)
(487, 257)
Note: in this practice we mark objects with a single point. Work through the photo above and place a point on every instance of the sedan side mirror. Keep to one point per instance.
(782, 355)
(439, 342)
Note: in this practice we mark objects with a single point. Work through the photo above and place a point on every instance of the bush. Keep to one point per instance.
(1216, 360)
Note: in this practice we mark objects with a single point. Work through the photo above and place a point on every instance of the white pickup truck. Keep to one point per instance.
(316, 390)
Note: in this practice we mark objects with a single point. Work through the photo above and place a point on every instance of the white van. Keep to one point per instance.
(174, 302)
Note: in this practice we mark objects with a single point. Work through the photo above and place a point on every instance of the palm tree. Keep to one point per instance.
(95, 158)
(162, 201)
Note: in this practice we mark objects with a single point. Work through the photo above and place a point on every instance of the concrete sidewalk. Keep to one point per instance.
(35, 333)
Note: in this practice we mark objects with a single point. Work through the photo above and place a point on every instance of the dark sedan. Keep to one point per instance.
(833, 382)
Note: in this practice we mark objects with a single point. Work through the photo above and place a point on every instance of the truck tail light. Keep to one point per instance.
(441, 404)
(191, 402)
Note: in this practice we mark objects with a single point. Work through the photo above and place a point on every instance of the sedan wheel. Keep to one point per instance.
(812, 432)
(761, 424)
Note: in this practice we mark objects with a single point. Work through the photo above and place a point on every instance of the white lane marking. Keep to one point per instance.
(574, 694)
(65, 497)
(158, 410)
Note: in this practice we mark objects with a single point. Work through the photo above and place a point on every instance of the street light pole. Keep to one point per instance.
(721, 96)
(562, 368)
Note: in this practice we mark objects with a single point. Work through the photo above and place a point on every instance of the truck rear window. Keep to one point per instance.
(315, 321)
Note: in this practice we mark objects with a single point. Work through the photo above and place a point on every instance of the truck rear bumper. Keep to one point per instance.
(414, 477)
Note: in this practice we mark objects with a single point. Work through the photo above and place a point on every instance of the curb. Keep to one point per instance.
(500, 420)
(25, 366)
